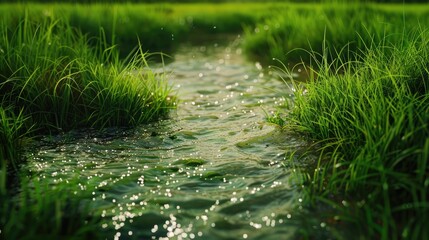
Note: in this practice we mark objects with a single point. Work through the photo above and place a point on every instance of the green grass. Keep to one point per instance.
(271, 30)
(159, 27)
(49, 70)
(53, 78)
(35, 211)
(370, 116)
(66, 66)
(12, 133)
(41, 211)
(304, 28)
(366, 107)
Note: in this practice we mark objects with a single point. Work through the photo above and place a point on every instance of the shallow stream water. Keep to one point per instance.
(214, 170)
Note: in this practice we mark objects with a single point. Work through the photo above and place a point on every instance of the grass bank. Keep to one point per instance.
(365, 105)
(369, 117)
(53, 78)
(49, 71)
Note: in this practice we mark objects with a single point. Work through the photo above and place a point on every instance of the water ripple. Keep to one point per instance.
(215, 170)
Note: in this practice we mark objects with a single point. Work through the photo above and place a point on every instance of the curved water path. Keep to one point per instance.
(214, 170)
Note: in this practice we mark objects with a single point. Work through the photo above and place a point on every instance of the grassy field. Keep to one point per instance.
(158, 27)
(303, 29)
(66, 66)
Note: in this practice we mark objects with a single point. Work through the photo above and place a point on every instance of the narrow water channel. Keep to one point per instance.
(214, 170)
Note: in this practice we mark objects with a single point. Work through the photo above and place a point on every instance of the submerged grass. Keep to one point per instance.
(371, 117)
(42, 211)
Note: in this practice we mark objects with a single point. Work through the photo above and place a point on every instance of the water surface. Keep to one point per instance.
(214, 170)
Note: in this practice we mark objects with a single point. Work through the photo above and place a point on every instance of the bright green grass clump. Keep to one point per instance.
(371, 117)
(48, 70)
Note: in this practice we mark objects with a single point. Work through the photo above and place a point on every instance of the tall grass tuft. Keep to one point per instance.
(371, 117)
(49, 70)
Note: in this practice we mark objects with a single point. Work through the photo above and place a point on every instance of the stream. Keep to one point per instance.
(215, 169)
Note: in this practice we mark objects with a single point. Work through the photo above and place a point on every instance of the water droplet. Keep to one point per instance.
(154, 229)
